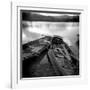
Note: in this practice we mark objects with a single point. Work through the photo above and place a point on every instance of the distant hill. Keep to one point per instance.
(37, 17)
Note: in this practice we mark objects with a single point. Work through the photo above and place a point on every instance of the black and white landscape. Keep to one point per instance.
(50, 44)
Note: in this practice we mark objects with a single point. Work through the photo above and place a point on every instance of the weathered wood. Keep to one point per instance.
(59, 70)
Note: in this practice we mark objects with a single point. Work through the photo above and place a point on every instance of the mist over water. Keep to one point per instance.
(34, 30)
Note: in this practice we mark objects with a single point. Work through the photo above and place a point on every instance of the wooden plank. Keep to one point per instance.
(52, 61)
(59, 70)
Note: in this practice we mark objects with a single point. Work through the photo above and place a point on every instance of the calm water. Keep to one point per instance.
(35, 30)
